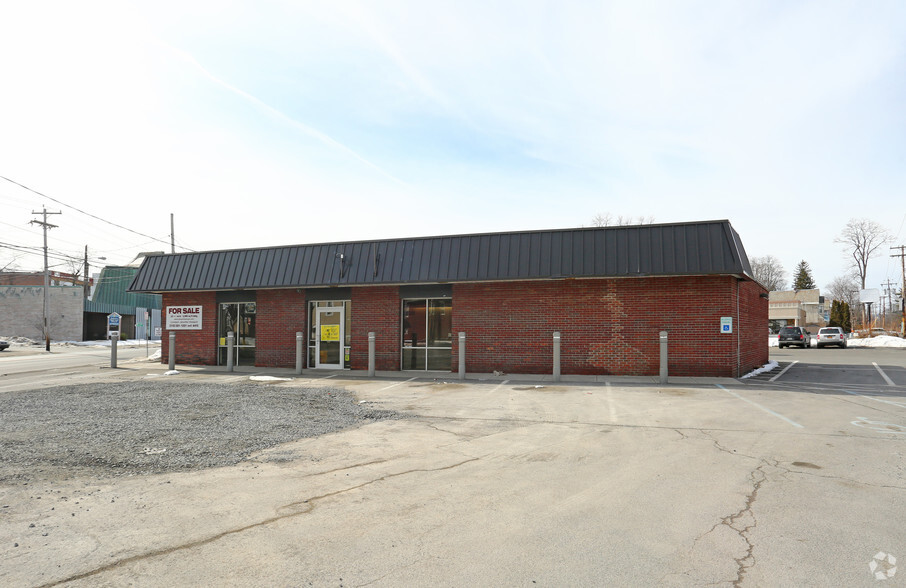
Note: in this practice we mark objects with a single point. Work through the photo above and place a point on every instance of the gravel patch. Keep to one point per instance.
(142, 427)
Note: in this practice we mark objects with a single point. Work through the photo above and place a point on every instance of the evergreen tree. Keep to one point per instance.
(847, 323)
(836, 320)
(803, 277)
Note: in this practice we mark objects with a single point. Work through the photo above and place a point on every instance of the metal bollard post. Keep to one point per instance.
(113, 341)
(371, 354)
(663, 374)
(299, 352)
(557, 356)
(172, 350)
(230, 340)
(462, 356)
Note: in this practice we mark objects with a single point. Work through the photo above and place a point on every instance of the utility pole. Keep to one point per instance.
(887, 288)
(87, 288)
(46, 225)
(172, 236)
(87, 278)
(902, 256)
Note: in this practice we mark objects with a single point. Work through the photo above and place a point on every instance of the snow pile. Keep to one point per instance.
(20, 341)
(268, 379)
(765, 368)
(880, 341)
(106, 343)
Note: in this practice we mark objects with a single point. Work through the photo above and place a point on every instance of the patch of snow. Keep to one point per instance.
(880, 341)
(106, 343)
(19, 340)
(765, 368)
(171, 373)
(269, 379)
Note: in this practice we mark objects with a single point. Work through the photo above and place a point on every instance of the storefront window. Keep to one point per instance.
(427, 334)
(237, 318)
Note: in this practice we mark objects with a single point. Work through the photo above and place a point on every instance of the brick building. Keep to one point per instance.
(608, 291)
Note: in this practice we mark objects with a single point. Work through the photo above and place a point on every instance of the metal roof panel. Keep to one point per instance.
(708, 247)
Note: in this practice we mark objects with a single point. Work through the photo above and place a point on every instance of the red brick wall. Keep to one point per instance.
(608, 326)
(279, 315)
(753, 330)
(376, 309)
(192, 347)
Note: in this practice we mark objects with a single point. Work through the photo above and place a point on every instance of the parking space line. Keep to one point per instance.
(499, 386)
(397, 384)
(901, 405)
(784, 371)
(767, 410)
(610, 406)
(883, 375)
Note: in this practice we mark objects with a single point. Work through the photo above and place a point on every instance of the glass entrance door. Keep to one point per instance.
(329, 337)
(237, 318)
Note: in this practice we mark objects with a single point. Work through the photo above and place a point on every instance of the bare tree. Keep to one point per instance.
(75, 267)
(606, 219)
(769, 272)
(601, 220)
(861, 238)
(9, 265)
(844, 288)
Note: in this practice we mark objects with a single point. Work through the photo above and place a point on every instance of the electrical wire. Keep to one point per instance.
(61, 203)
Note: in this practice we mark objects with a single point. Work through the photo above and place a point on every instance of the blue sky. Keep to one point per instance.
(269, 123)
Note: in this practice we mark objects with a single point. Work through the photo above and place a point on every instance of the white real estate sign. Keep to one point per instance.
(184, 318)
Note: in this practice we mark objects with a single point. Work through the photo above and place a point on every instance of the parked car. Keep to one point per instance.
(831, 336)
(3, 345)
(794, 336)
(878, 331)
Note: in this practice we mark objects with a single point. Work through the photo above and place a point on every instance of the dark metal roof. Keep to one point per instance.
(698, 248)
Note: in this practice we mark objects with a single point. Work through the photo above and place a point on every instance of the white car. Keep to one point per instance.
(831, 336)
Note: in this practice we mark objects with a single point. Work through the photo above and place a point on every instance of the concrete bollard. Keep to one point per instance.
(230, 340)
(299, 352)
(371, 341)
(462, 356)
(557, 356)
(663, 338)
(114, 338)
(172, 350)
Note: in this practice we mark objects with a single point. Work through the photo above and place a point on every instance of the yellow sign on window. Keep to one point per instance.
(330, 332)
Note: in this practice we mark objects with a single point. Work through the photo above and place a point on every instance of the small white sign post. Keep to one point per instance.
(113, 324)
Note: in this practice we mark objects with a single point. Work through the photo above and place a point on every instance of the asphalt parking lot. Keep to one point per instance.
(793, 481)
(834, 367)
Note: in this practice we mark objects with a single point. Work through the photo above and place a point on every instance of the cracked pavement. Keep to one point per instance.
(498, 483)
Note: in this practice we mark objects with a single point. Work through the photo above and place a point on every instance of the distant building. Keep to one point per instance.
(140, 313)
(37, 279)
(70, 316)
(798, 308)
(22, 312)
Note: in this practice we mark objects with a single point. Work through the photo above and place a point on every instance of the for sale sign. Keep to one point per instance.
(184, 318)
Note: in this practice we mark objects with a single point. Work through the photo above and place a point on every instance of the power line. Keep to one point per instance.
(88, 213)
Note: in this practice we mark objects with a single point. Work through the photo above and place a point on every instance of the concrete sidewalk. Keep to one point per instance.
(452, 377)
